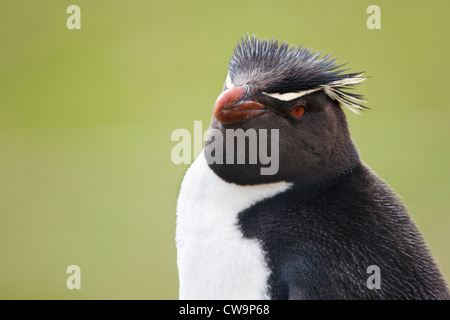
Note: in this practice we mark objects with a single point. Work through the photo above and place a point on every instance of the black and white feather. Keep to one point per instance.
(286, 72)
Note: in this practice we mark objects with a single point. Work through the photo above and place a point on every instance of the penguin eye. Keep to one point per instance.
(298, 111)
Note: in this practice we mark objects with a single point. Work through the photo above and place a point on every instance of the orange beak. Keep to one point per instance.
(230, 107)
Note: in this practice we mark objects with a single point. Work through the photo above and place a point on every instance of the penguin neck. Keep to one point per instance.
(329, 174)
(339, 162)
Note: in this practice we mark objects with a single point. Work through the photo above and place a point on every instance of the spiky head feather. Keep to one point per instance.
(279, 68)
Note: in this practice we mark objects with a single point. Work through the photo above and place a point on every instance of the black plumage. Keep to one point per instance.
(339, 217)
(319, 244)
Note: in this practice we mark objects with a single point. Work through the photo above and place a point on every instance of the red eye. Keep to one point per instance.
(298, 111)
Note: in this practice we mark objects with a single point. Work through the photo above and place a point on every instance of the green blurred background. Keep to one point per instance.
(86, 117)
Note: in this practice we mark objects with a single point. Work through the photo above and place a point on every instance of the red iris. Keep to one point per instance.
(298, 112)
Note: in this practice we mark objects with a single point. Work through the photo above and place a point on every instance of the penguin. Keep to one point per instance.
(322, 224)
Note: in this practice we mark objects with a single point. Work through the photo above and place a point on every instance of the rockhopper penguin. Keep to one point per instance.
(313, 228)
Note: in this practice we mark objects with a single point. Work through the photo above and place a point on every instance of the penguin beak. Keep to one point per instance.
(230, 107)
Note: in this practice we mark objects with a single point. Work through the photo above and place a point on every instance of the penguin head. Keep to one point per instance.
(280, 116)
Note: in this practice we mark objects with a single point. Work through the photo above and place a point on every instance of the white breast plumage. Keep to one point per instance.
(214, 260)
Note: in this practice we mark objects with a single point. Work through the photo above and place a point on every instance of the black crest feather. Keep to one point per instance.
(282, 68)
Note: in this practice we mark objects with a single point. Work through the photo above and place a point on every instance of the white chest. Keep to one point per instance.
(214, 260)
